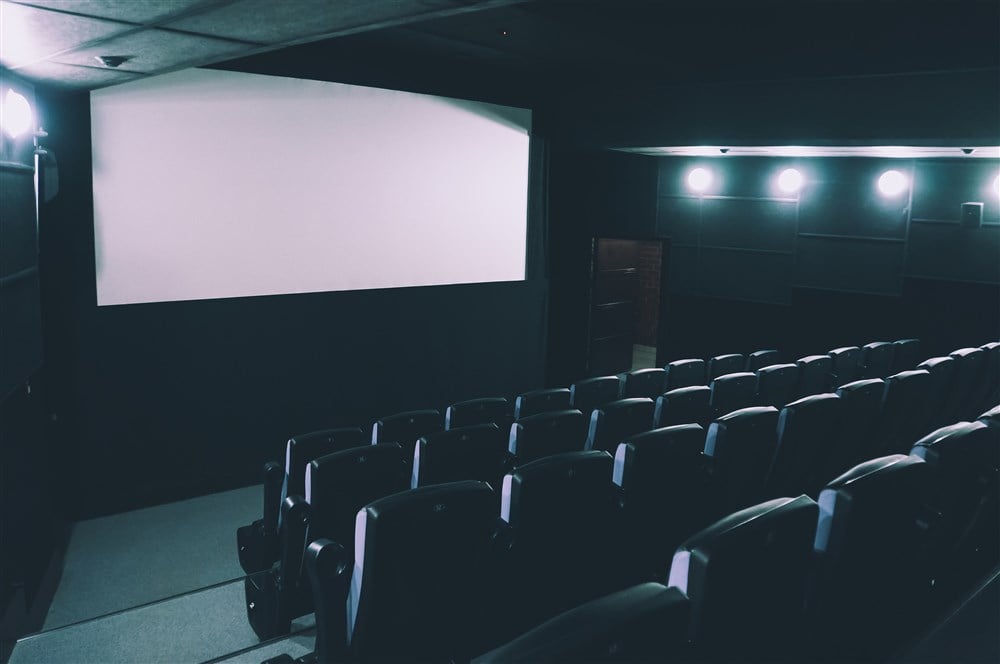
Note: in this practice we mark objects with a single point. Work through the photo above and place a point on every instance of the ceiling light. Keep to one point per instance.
(892, 183)
(699, 179)
(112, 61)
(790, 180)
(15, 114)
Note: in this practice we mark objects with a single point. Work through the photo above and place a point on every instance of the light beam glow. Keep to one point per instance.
(892, 183)
(699, 179)
(790, 180)
(15, 114)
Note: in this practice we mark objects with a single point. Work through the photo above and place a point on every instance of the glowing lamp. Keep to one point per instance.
(892, 183)
(15, 114)
(790, 180)
(699, 179)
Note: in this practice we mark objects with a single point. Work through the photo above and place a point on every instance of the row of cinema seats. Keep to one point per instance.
(433, 575)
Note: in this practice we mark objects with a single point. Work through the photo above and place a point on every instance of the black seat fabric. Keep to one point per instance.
(720, 365)
(613, 422)
(684, 373)
(740, 446)
(586, 395)
(491, 410)
(685, 405)
(861, 403)
(846, 364)
(867, 542)
(745, 576)
(760, 359)
(644, 623)
(905, 414)
(469, 453)
(405, 428)
(663, 495)
(970, 389)
(642, 383)
(942, 371)
(777, 384)
(991, 417)
(302, 449)
(541, 401)
(815, 374)
(876, 359)
(546, 434)
(731, 392)
(991, 381)
(807, 456)
(905, 355)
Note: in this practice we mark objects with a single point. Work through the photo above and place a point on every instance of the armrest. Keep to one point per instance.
(295, 513)
(329, 574)
(274, 477)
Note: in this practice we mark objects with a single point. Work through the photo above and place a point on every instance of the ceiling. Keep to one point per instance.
(540, 46)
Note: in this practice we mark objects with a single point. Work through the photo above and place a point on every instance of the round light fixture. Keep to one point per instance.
(892, 183)
(699, 179)
(790, 180)
(15, 114)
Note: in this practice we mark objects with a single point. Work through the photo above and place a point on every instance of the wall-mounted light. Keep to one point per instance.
(996, 185)
(790, 180)
(699, 179)
(15, 114)
(892, 183)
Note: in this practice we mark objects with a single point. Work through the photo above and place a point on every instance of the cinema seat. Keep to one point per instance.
(642, 383)
(613, 422)
(760, 359)
(586, 395)
(731, 392)
(746, 576)
(559, 538)
(815, 375)
(644, 623)
(905, 355)
(861, 406)
(942, 371)
(876, 359)
(720, 365)
(807, 456)
(685, 405)
(684, 373)
(969, 372)
(545, 434)
(476, 452)
(991, 417)
(984, 380)
(905, 417)
(846, 364)
(336, 486)
(541, 401)
(868, 537)
(739, 447)
(492, 410)
(663, 494)
(992, 380)
(257, 543)
(405, 428)
(417, 589)
(777, 384)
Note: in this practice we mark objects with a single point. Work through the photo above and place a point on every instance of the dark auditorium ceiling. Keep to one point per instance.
(540, 46)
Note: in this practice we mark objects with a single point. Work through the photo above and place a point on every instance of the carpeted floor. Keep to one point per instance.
(297, 645)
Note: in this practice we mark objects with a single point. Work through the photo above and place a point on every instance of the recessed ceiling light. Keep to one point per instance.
(112, 61)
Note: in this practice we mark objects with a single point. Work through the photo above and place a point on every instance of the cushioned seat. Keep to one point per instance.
(541, 401)
(991, 417)
(760, 359)
(777, 384)
(405, 428)
(815, 375)
(970, 365)
(732, 392)
(491, 410)
(642, 383)
(861, 406)
(876, 359)
(721, 365)
(942, 371)
(906, 414)
(740, 446)
(807, 456)
(546, 434)
(685, 405)
(905, 355)
(992, 379)
(469, 453)
(613, 422)
(684, 373)
(846, 364)
(586, 395)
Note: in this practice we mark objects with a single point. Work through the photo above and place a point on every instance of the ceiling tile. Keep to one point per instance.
(75, 77)
(150, 51)
(135, 11)
(28, 34)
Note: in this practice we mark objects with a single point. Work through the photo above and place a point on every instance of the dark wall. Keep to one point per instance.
(162, 401)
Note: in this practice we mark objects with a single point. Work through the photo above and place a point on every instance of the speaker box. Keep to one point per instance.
(972, 215)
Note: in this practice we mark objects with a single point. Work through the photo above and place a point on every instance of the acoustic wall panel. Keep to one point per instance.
(949, 251)
(749, 223)
(848, 264)
(940, 188)
(843, 199)
(745, 275)
(677, 217)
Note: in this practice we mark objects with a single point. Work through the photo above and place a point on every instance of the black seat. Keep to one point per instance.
(861, 403)
(815, 374)
(942, 371)
(336, 486)
(731, 392)
(740, 446)
(642, 383)
(647, 622)
(905, 355)
(720, 365)
(684, 373)
(685, 405)
(469, 453)
(867, 544)
(746, 576)
(541, 401)
(969, 369)
(807, 456)
(846, 364)
(613, 422)
(416, 591)
(546, 434)
(777, 384)
(586, 395)
(876, 359)
(991, 417)
(491, 410)
(760, 359)
(992, 379)
(257, 543)
(663, 495)
(405, 428)
(905, 411)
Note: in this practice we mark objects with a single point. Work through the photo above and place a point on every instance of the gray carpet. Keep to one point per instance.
(191, 628)
(296, 646)
(126, 560)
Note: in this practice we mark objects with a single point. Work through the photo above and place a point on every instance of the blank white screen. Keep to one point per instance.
(211, 184)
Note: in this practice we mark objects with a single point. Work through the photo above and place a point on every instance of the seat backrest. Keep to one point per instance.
(741, 445)
(642, 383)
(807, 456)
(419, 575)
(905, 411)
(541, 401)
(685, 405)
(991, 381)
(720, 365)
(905, 354)
(546, 434)
(861, 403)
(777, 384)
(745, 576)
(476, 452)
(991, 418)
(647, 622)
(586, 395)
(302, 449)
(876, 359)
(942, 371)
(491, 410)
(760, 359)
(684, 373)
(846, 364)
(815, 374)
(613, 422)
(967, 388)
(731, 392)
(405, 428)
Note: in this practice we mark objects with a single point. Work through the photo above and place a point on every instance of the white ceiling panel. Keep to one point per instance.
(154, 50)
(28, 34)
(132, 11)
